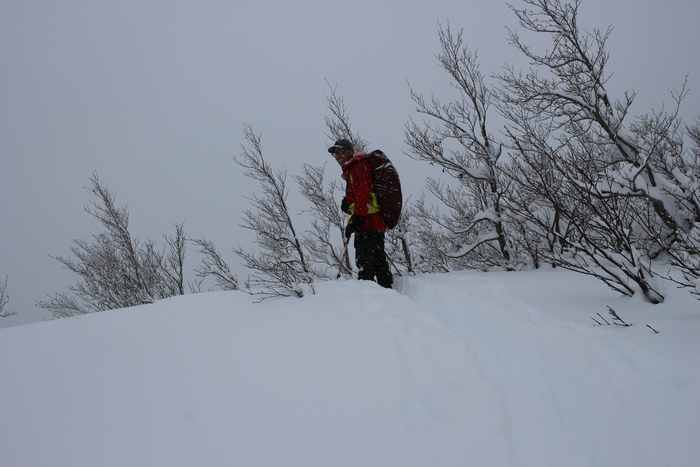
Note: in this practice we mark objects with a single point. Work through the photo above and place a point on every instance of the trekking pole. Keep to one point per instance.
(345, 250)
(342, 258)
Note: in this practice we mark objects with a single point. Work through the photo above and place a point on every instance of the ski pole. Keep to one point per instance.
(342, 258)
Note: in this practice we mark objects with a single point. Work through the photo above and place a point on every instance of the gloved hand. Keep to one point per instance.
(344, 205)
(353, 225)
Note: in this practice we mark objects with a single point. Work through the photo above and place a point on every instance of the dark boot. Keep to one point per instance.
(371, 258)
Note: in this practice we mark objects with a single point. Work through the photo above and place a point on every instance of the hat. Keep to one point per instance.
(341, 144)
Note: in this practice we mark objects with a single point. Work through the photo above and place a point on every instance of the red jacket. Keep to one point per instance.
(359, 193)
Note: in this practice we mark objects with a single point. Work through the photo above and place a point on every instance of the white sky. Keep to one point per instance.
(154, 95)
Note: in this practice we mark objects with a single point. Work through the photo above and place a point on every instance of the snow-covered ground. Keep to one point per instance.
(461, 369)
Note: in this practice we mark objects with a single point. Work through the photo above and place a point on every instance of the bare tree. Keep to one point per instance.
(339, 123)
(580, 226)
(4, 299)
(456, 138)
(173, 264)
(684, 255)
(437, 236)
(117, 270)
(282, 267)
(579, 187)
(324, 241)
(597, 185)
(213, 265)
(288, 261)
(400, 241)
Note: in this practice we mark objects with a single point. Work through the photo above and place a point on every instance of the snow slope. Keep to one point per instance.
(461, 369)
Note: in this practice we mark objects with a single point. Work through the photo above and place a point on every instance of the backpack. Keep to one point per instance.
(387, 187)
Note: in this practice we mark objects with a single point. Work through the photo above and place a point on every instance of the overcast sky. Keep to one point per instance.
(153, 96)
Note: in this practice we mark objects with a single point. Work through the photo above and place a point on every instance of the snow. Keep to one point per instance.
(483, 369)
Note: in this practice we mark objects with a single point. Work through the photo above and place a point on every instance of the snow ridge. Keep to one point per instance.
(487, 369)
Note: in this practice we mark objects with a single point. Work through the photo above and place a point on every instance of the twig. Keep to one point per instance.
(596, 321)
(601, 317)
(653, 329)
(617, 318)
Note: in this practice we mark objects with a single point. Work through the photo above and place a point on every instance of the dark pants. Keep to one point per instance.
(370, 257)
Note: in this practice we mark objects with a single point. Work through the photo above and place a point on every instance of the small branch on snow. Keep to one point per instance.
(601, 317)
(653, 329)
(616, 319)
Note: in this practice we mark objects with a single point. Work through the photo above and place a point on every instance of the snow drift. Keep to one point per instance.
(482, 369)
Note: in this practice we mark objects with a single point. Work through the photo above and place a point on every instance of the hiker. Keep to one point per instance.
(366, 222)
